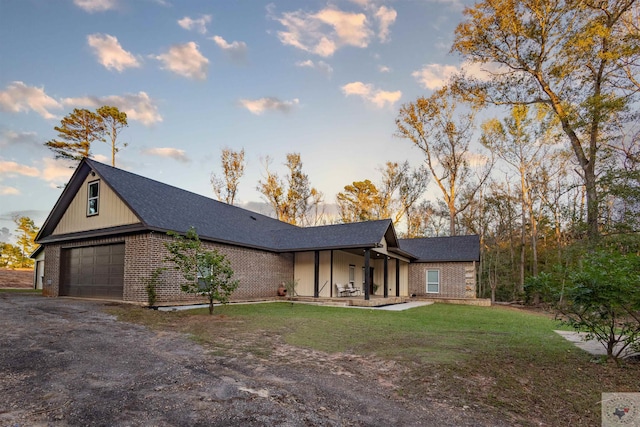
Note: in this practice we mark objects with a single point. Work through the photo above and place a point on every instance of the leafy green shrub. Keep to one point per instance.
(151, 285)
(603, 299)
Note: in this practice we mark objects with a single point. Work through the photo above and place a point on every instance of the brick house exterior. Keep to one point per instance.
(107, 234)
(458, 279)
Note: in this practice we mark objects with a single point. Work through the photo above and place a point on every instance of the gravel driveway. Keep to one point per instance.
(65, 362)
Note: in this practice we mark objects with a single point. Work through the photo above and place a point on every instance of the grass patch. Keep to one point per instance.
(21, 291)
(496, 359)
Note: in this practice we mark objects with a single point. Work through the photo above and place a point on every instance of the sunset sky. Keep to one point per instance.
(325, 79)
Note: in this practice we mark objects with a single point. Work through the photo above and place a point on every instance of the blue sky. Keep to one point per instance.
(325, 79)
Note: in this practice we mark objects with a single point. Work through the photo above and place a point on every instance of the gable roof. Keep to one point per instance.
(161, 207)
(443, 249)
(353, 235)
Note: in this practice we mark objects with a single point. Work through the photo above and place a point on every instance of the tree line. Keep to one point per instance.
(17, 256)
(556, 175)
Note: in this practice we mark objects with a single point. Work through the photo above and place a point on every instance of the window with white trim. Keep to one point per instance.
(93, 198)
(352, 274)
(433, 281)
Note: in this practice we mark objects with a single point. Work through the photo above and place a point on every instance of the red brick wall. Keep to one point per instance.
(457, 279)
(51, 281)
(259, 272)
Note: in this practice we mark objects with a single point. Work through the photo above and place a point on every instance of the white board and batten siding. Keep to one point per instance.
(304, 273)
(304, 269)
(112, 211)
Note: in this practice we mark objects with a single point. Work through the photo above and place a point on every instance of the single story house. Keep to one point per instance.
(106, 233)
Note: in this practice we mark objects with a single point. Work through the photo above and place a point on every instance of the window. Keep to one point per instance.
(94, 194)
(433, 281)
(203, 272)
(352, 274)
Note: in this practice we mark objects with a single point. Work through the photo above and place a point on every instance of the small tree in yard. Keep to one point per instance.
(604, 301)
(207, 272)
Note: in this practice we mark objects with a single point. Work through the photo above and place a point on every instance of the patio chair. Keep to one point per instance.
(342, 290)
(352, 289)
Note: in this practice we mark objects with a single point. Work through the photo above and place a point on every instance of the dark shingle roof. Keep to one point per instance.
(353, 235)
(166, 208)
(161, 207)
(443, 249)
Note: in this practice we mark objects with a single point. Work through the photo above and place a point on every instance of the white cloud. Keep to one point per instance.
(386, 17)
(259, 106)
(369, 93)
(185, 60)
(356, 88)
(325, 31)
(12, 169)
(92, 6)
(138, 106)
(18, 97)
(434, 76)
(321, 66)
(172, 153)
(454, 4)
(199, 25)
(482, 72)
(10, 137)
(384, 69)
(8, 191)
(236, 50)
(308, 64)
(56, 172)
(110, 54)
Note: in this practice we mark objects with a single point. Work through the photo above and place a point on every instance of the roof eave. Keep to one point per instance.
(91, 234)
(405, 254)
(329, 248)
(217, 240)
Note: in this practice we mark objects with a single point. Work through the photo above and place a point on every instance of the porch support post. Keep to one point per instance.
(367, 273)
(331, 276)
(397, 277)
(386, 276)
(316, 275)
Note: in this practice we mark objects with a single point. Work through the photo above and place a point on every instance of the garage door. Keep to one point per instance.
(93, 271)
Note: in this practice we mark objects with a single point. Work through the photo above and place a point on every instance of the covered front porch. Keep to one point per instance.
(381, 277)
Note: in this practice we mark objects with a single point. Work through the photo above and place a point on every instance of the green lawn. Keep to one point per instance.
(495, 359)
(21, 290)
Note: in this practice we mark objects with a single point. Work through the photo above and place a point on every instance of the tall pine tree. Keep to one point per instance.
(76, 133)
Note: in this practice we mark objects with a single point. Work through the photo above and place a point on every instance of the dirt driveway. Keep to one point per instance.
(65, 362)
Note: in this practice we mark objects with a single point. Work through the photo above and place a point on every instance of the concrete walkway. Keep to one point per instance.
(404, 306)
(579, 339)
